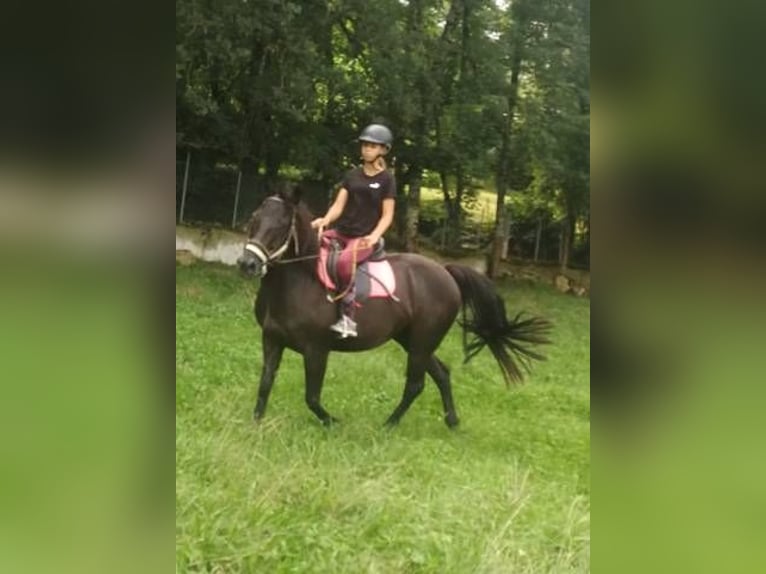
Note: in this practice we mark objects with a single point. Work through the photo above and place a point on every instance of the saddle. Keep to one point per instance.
(374, 278)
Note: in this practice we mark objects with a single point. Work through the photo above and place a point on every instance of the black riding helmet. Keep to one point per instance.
(377, 133)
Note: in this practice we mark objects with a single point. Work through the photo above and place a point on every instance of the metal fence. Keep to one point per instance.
(214, 193)
(211, 192)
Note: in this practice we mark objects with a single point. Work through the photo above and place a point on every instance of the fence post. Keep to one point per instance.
(236, 199)
(183, 192)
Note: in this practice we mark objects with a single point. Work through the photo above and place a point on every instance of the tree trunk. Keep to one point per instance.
(561, 242)
(506, 244)
(400, 214)
(538, 234)
(456, 219)
(493, 265)
(565, 246)
(409, 229)
(567, 232)
(449, 209)
(503, 166)
(413, 212)
(272, 166)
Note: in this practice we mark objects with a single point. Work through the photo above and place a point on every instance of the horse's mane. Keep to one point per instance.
(309, 244)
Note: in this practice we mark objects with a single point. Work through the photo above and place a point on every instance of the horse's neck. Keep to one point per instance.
(301, 271)
(308, 243)
(306, 246)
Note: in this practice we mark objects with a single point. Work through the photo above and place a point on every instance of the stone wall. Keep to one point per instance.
(209, 244)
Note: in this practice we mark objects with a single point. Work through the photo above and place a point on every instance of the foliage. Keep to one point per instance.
(270, 83)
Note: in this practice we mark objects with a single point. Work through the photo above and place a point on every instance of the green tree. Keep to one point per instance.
(483, 93)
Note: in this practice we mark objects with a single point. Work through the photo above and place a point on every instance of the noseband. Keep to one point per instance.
(262, 253)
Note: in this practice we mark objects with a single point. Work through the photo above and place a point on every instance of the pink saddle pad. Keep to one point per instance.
(382, 280)
(373, 278)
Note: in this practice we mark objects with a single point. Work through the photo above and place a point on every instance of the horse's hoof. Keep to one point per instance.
(390, 423)
(452, 420)
(330, 421)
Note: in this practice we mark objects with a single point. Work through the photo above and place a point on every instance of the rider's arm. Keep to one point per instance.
(335, 211)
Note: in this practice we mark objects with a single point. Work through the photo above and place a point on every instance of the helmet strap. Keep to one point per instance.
(374, 162)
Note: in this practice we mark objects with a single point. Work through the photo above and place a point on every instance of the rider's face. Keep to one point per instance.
(370, 151)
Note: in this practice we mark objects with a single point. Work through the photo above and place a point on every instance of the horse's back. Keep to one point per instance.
(426, 283)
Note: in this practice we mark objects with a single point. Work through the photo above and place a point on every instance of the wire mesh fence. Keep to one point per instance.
(225, 195)
(215, 194)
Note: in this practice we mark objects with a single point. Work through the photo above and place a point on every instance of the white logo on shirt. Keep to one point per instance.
(375, 185)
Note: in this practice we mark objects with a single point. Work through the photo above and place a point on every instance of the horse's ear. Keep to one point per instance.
(291, 192)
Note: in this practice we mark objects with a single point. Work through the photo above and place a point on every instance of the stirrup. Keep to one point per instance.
(345, 326)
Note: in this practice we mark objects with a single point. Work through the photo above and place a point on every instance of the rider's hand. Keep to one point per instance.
(320, 223)
(368, 241)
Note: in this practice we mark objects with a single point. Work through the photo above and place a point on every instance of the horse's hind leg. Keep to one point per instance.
(439, 372)
(315, 365)
(416, 374)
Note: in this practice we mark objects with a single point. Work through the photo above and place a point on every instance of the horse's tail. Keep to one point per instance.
(510, 342)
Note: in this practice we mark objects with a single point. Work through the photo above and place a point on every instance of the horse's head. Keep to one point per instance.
(270, 232)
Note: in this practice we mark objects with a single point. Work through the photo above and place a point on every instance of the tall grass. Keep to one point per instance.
(508, 491)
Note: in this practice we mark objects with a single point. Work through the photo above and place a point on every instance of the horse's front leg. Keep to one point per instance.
(315, 365)
(272, 356)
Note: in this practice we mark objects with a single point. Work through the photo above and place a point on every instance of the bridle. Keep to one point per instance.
(262, 253)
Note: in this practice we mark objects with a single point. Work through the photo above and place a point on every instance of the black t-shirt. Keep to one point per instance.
(365, 201)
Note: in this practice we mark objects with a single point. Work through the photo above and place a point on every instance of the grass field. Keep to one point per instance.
(508, 491)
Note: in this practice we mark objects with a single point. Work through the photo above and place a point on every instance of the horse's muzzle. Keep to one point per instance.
(249, 265)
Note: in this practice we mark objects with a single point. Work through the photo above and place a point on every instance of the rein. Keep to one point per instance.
(295, 259)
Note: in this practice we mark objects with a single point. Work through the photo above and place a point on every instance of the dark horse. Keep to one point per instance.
(294, 312)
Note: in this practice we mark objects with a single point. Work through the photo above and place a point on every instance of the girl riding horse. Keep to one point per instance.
(294, 313)
(362, 212)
